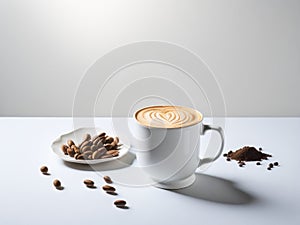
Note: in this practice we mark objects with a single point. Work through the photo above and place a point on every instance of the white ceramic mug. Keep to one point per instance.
(170, 156)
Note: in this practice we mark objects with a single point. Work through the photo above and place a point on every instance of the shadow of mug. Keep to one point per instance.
(215, 189)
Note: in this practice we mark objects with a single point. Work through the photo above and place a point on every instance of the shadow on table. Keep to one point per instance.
(216, 189)
(120, 163)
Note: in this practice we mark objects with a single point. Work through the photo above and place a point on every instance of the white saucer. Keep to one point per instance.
(77, 136)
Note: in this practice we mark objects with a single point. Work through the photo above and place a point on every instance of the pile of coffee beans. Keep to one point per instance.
(120, 203)
(246, 154)
(100, 146)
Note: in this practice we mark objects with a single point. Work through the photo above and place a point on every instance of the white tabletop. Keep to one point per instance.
(223, 194)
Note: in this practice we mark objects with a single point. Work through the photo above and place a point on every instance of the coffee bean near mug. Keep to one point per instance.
(168, 143)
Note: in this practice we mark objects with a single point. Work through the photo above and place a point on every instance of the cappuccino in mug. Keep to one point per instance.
(170, 156)
(168, 116)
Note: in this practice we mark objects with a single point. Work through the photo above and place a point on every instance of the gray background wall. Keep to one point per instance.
(253, 47)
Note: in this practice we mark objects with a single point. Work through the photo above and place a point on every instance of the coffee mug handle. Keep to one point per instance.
(205, 128)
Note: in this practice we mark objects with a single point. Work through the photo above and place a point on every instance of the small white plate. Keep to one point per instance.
(77, 136)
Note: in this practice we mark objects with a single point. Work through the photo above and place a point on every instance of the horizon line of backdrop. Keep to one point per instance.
(252, 46)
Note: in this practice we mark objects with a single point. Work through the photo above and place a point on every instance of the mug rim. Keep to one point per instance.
(151, 127)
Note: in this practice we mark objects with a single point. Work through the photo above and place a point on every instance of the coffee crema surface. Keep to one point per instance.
(168, 116)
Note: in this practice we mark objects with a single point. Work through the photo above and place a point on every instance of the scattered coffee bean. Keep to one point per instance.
(70, 143)
(228, 159)
(229, 152)
(57, 183)
(241, 165)
(89, 183)
(276, 164)
(108, 188)
(271, 165)
(44, 169)
(260, 149)
(120, 203)
(225, 155)
(269, 168)
(258, 163)
(107, 179)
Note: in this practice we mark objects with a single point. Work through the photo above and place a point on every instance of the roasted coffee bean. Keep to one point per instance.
(225, 154)
(70, 143)
(71, 152)
(80, 156)
(258, 163)
(269, 168)
(108, 188)
(116, 140)
(276, 164)
(112, 152)
(87, 154)
(97, 154)
(107, 179)
(64, 149)
(241, 165)
(86, 148)
(99, 142)
(88, 182)
(119, 146)
(229, 152)
(86, 143)
(94, 141)
(271, 165)
(102, 134)
(75, 149)
(109, 140)
(108, 146)
(106, 156)
(115, 154)
(120, 203)
(56, 183)
(94, 148)
(228, 159)
(44, 169)
(87, 137)
(96, 137)
(259, 149)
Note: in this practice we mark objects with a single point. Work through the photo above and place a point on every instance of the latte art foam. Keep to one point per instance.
(168, 116)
